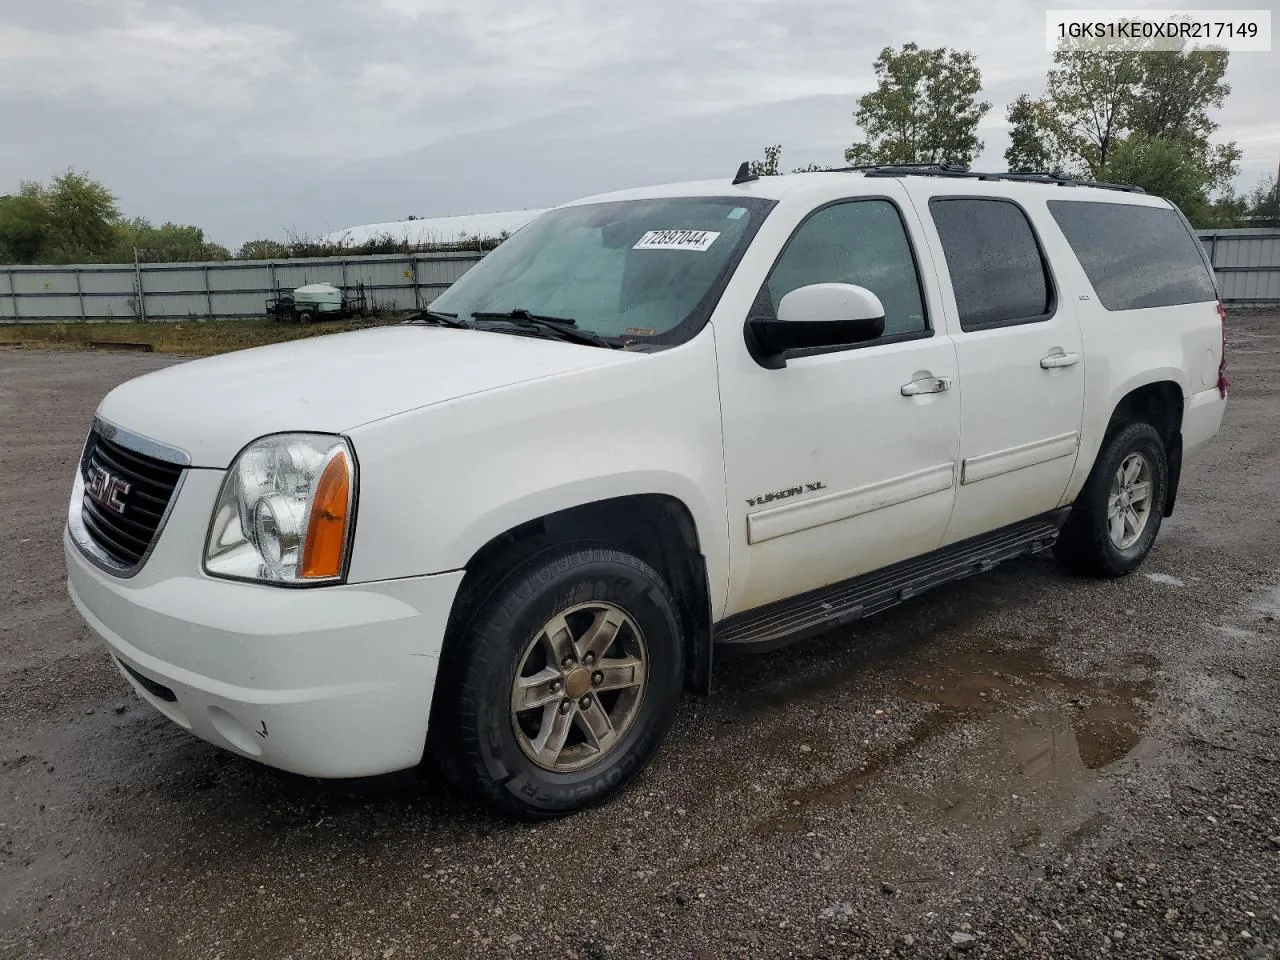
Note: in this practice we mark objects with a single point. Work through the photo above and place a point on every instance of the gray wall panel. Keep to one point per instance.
(1247, 262)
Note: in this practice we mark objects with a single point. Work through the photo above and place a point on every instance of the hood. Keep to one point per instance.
(214, 406)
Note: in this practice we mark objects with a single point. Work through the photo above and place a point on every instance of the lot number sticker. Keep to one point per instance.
(698, 240)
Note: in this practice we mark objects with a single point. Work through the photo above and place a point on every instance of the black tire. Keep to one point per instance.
(305, 316)
(473, 736)
(1085, 546)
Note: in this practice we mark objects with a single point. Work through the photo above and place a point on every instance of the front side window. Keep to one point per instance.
(631, 269)
(862, 242)
(997, 271)
(1135, 256)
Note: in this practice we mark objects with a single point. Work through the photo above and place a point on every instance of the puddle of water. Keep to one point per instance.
(1038, 730)
(1165, 579)
(1109, 729)
(1239, 633)
(1103, 715)
(1269, 604)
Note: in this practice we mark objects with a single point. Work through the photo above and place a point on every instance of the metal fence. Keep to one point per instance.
(219, 290)
(1247, 262)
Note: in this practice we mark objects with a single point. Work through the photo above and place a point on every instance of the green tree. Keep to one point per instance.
(768, 167)
(1086, 106)
(1172, 101)
(1096, 100)
(771, 165)
(262, 250)
(1027, 148)
(1176, 90)
(24, 224)
(925, 108)
(75, 220)
(1169, 168)
(82, 220)
(1227, 210)
(71, 220)
(167, 243)
(1262, 205)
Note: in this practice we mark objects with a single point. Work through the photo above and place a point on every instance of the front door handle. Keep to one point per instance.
(926, 385)
(1056, 360)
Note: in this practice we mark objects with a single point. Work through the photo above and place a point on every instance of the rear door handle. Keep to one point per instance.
(926, 385)
(1057, 360)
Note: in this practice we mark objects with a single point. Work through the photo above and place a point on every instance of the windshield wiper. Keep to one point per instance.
(566, 328)
(439, 319)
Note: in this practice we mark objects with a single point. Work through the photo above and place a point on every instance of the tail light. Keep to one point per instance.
(1223, 383)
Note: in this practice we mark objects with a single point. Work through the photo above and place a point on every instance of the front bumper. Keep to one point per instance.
(326, 682)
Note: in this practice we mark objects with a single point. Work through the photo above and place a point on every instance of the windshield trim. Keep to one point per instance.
(700, 314)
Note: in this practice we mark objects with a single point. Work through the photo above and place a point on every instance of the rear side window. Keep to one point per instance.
(1134, 256)
(997, 270)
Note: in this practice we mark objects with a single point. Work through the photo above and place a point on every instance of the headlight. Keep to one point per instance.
(284, 514)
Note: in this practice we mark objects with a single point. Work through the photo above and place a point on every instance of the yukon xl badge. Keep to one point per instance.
(784, 494)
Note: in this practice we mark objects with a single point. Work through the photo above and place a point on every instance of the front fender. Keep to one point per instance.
(439, 483)
(506, 514)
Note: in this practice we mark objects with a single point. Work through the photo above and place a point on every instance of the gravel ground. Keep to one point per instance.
(1020, 765)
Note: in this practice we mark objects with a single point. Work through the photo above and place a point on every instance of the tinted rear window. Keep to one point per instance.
(997, 273)
(1134, 256)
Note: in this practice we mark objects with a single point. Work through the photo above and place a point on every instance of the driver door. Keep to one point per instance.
(845, 459)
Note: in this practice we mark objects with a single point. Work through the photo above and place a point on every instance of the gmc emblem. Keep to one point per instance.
(105, 488)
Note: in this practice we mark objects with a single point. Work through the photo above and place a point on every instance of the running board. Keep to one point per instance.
(786, 621)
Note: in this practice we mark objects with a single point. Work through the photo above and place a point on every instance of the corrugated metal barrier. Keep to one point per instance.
(216, 290)
(1247, 262)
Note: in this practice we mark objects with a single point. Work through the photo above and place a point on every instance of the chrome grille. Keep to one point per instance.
(126, 497)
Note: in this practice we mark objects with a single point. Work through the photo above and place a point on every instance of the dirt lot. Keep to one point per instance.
(1021, 765)
(193, 338)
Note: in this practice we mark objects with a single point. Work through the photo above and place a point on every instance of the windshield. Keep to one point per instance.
(631, 269)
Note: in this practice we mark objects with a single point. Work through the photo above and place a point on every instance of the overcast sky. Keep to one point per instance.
(253, 117)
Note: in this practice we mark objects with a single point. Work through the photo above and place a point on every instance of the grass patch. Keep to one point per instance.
(200, 339)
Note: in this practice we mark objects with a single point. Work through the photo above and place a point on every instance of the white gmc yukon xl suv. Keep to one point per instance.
(503, 537)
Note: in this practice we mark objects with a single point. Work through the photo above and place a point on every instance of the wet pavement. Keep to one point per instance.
(1021, 764)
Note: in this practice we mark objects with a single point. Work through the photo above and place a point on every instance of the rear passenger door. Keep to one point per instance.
(1020, 359)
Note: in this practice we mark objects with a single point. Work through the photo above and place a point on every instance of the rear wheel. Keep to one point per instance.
(562, 685)
(1115, 520)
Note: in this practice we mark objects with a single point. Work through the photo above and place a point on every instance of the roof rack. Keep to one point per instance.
(1052, 178)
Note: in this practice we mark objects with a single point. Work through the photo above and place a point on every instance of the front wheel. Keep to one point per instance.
(563, 684)
(1114, 522)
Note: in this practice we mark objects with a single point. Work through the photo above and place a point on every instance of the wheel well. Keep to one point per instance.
(656, 528)
(1159, 404)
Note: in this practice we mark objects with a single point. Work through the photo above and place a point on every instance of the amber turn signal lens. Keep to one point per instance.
(327, 529)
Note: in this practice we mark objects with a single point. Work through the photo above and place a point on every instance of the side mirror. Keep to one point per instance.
(819, 315)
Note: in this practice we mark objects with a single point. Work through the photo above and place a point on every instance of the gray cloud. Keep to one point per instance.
(249, 118)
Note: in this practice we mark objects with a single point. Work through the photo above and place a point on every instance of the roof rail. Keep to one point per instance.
(1062, 180)
(1051, 178)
